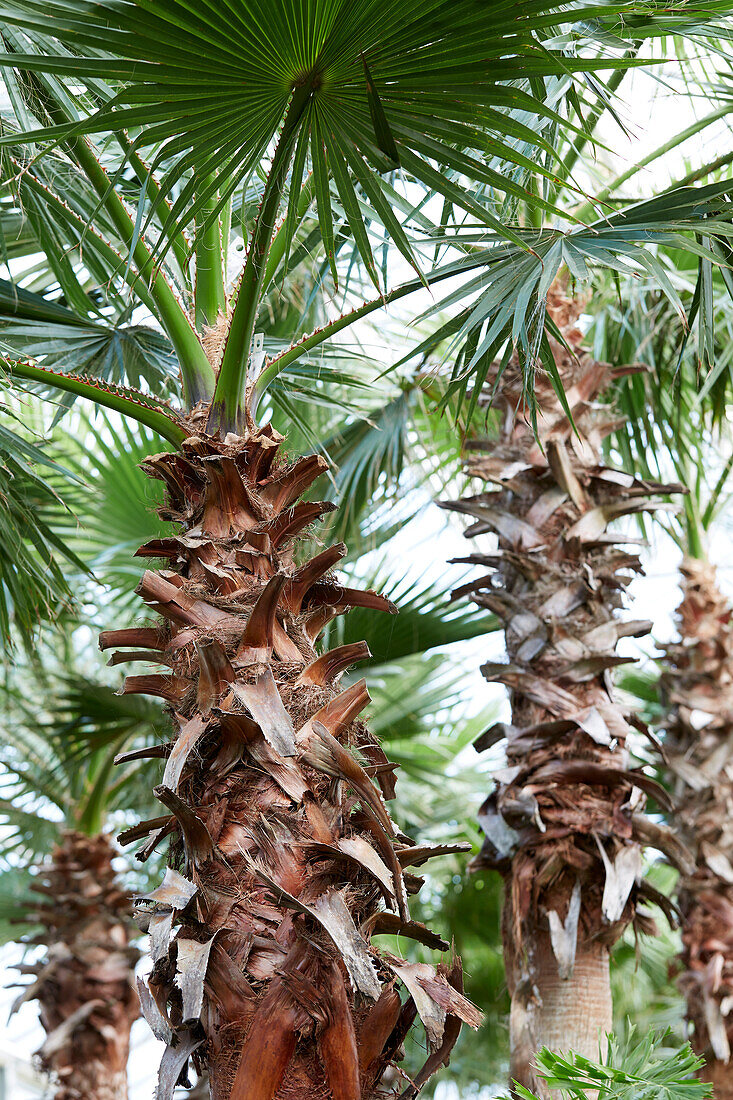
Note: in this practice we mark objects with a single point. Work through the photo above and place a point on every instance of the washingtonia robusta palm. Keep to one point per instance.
(672, 404)
(57, 807)
(564, 824)
(58, 737)
(541, 506)
(477, 339)
(284, 858)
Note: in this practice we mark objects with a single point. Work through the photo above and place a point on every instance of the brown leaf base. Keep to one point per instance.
(285, 860)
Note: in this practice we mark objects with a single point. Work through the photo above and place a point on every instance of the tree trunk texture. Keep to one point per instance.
(574, 1010)
(698, 688)
(284, 859)
(85, 983)
(562, 824)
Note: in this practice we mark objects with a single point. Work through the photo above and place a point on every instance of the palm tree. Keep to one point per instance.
(283, 853)
(74, 906)
(541, 482)
(695, 684)
(564, 823)
(84, 725)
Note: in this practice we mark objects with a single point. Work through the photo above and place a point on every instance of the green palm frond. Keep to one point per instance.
(320, 107)
(502, 306)
(426, 620)
(57, 758)
(112, 511)
(16, 905)
(31, 327)
(418, 713)
(360, 89)
(61, 732)
(676, 408)
(33, 556)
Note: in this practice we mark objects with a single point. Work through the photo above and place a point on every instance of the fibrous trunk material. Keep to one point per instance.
(285, 861)
(698, 688)
(563, 821)
(85, 983)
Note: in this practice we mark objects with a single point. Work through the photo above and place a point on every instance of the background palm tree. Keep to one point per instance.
(59, 879)
(516, 586)
(693, 707)
(564, 824)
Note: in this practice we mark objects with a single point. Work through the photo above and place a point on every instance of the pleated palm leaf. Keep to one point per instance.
(284, 855)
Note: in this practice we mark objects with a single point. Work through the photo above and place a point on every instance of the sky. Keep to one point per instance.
(652, 114)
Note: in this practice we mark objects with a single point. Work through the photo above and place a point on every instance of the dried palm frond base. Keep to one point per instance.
(561, 823)
(285, 860)
(698, 686)
(85, 982)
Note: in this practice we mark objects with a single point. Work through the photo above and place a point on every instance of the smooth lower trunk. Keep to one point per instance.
(93, 1080)
(563, 1014)
(720, 1076)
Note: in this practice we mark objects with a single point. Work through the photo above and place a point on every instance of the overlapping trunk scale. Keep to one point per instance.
(285, 861)
(563, 824)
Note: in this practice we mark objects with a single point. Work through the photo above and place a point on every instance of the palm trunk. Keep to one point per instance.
(560, 824)
(698, 685)
(283, 854)
(85, 983)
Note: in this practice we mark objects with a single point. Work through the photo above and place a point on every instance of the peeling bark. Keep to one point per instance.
(85, 982)
(283, 851)
(559, 824)
(698, 688)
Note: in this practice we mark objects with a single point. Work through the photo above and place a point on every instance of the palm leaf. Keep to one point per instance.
(33, 585)
(427, 91)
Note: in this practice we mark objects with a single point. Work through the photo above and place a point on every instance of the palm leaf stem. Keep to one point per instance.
(276, 366)
(147, 180)
(91, 813)
(704, 171)
(565, 170)
(109, 396)
(209, 294)
(227, 407)
(280, 240)
(107, 251)
(694, 530)
(196, 371)
(591, 208)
